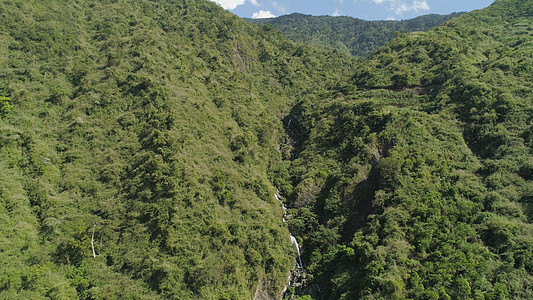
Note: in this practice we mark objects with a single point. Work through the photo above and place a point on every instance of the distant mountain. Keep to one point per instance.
(347, 34)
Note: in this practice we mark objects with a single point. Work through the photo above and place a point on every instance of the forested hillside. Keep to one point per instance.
(144, 129)
(142, 144)
(415, 181)
(347, 34)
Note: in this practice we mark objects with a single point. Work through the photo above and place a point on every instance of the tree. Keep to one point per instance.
(5, 106)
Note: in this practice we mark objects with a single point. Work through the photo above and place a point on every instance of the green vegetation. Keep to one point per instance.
(347, 34)
(5, 106)
(417, 184)
(151, 125)
(142, 142)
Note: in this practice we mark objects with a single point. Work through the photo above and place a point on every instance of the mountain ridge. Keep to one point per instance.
(347, 34)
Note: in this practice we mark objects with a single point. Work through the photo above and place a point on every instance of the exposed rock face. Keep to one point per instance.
(262, 291)
(299, 281)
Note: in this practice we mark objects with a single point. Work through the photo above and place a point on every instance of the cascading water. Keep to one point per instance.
(298, 277)
(294, 242)
(297, 248)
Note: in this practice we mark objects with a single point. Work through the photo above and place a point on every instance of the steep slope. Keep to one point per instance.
(138, 140)
(415, 180)
(347, 34)
(134, 142)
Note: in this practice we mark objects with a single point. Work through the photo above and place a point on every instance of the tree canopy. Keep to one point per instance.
(142, 143)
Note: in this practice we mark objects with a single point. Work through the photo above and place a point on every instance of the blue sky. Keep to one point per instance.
(363, 9)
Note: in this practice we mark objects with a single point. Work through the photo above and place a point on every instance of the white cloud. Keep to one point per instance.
(229, 4)
(423, 5)
(400, 6)
(336, 13)
(416, 6)
(280, 7)
(263, 14)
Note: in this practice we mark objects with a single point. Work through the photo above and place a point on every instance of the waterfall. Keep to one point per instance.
(298, 279)
(297, 248)
(294, 242)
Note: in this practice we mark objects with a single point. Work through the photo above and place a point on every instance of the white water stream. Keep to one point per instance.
(297, 248)
(294, 242)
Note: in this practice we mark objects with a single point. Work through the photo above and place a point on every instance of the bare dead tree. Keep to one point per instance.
(92, 241)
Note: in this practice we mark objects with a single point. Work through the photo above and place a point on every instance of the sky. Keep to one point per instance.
(362, 9)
